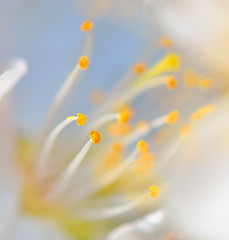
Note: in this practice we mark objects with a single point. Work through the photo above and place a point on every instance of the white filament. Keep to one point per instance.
(139, 133)
(48, 145)
(69, 172)
(111, 212)
(10, 77)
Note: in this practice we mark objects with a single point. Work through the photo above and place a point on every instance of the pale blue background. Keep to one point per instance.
(46, 34)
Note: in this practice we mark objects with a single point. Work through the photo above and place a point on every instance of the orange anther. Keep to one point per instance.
(171, 82)
(139, 68)
(172, 117)
(143, 146)
(83, 62)
(95, 136)
(81, 119)
(86, 26)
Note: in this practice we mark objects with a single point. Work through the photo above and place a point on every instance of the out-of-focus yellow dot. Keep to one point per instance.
(154, 191)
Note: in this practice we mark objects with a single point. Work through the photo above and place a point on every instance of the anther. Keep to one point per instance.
(81, 119)
(165, 42)
(171, 82)
(172, 117)
(139, 68)
(124, 116)
(142, 146)
(154, 191)
(185, 129)
(205, 83)
(95, 137)
(202, 112)
(83, 62)
(86, 26)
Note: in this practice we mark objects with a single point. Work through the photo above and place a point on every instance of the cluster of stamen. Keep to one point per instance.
(119, 159)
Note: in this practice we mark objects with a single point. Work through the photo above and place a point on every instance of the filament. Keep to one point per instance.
(68, 83)
(140, 133)
(49, 143)
(71, 169)
(111, 212)
(10, 77)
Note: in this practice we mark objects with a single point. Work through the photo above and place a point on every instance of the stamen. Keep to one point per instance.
(124, 116)
(154, 191)
(81, 119)
(144, 163)
(202, 112)
(71, 169)
(140, 133)
(171, 82)
(205, 84)
(10, 77)
(190, 78)
(95, 137)
(139, 68)
(117, 147)
(119, 129)
(50, 141)
(172, 117)
(130, 94)
(111, 212)
(143, 146)
(142, 125)
(171, 62)
(83, 62)
(165, 42)
(86, 26)
(185, 129)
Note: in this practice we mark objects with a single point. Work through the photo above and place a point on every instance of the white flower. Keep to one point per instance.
(83, 176)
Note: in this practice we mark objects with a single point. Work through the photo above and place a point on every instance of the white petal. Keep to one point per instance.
(28, 228)
(199, 29)
(199, 194)
(10, 77)
(144, 228)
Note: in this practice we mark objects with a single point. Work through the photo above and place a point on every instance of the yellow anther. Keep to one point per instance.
(185, 129)
(142, 146)
(124, 116)
(202, 112)
(171, 82)
(165, 42)
(205, 83)
(139, 68)
(95, 136)
(154, 191)
(170, 62)
(117, 147)
(190, 78)
(83, 62)
(172, 117)
(86, 26)
(81, 119)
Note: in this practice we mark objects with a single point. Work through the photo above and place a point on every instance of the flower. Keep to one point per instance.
(91, 172)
